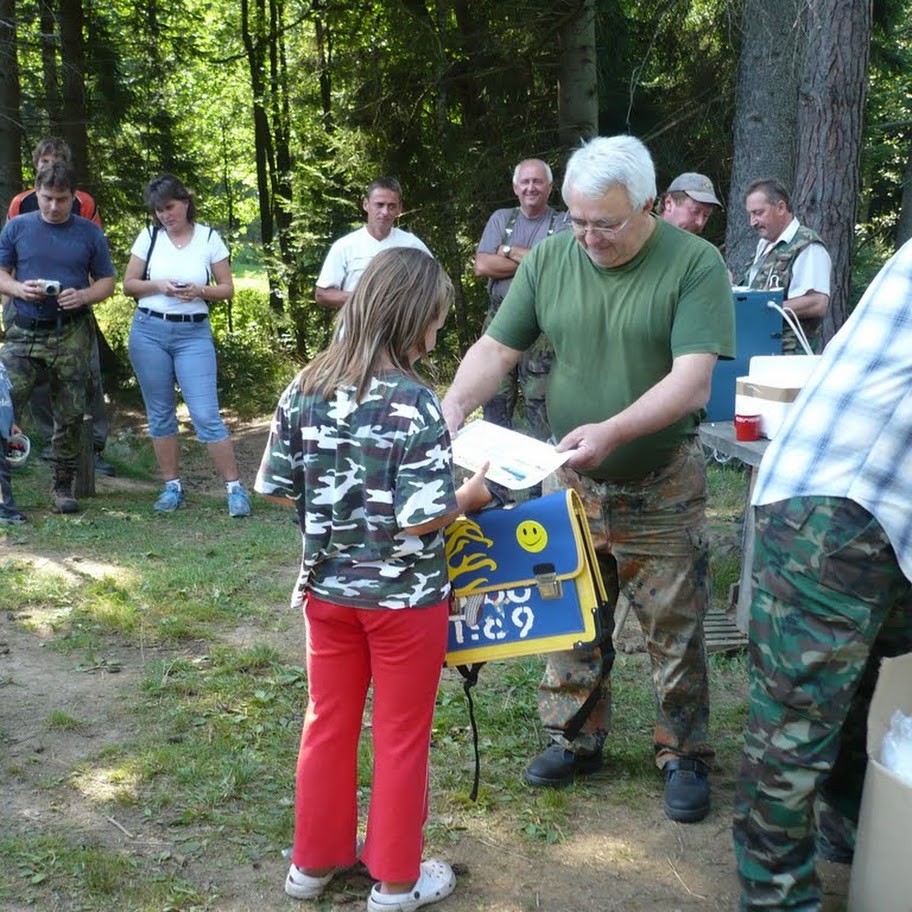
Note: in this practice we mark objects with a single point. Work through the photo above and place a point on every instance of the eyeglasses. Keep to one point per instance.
(580, 228)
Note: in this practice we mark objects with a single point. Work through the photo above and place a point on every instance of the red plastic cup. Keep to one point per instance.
(747, 427)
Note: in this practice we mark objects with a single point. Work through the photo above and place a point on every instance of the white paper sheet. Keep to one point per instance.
(517, 461)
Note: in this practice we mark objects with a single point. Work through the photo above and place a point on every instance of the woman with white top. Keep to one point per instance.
(177, 268)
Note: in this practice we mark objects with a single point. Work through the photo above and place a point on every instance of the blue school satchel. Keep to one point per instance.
(525, 581)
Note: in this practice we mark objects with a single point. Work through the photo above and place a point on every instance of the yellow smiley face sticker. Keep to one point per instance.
(531, 536)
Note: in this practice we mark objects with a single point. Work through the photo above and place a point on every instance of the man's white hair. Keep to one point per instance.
(537, 161)
(608, 161)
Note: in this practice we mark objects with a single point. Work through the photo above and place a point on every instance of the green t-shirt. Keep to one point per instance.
(617, 331)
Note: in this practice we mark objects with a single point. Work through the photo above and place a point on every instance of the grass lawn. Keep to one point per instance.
(192, 610)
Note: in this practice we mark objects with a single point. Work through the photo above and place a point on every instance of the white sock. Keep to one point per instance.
(232, 486)
(174, 483)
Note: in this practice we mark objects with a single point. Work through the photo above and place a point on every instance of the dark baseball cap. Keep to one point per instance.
(696, 186)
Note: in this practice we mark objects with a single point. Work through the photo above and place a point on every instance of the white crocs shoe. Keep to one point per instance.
(304, 886)
(436, 882)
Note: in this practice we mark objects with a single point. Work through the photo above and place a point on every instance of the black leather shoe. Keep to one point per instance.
(104, 468)
(686, 790)
(556, 766)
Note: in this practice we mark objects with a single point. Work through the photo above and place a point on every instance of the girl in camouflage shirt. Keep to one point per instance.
(359, 446)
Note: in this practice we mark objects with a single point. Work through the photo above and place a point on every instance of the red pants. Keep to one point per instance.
(402, 651)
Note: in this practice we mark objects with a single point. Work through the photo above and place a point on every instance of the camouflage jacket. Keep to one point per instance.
(776, 272)
(359, 473)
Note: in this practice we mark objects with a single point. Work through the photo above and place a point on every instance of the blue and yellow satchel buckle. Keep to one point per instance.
(525, 581)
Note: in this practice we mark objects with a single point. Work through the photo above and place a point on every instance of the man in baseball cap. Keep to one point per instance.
(688, 203)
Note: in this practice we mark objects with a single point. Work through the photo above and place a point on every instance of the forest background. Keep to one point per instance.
(279, 112)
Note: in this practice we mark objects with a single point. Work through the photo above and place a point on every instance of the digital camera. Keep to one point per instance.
(50, 287)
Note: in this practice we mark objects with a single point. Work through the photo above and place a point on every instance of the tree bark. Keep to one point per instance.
(904, 224)
(766, 111)
(252, 35)
(577, 93)
(10, 119)
(48, 38)
(830, 122)
(74, 123)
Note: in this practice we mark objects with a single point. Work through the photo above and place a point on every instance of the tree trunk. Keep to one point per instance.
(766, 111)
(830, 122)
(256, 61)
(11, 132)
(904, 225)
(49, 43)
(74, 124)
(577, 94)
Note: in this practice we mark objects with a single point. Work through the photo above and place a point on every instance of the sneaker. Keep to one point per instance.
(436, 882)
(10, 516)
(104, 468)
(169, 499)
(239, 502)
(62, 500)
(556, 766)
(686, 790)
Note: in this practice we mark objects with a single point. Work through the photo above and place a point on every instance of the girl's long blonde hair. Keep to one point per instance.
(401, 294)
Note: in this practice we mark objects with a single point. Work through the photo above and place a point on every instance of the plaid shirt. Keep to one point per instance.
(849, 433)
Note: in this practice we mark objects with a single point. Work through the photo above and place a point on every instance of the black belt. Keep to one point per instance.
(35, 323)
(174, 318)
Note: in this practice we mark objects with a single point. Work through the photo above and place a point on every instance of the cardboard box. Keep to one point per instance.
(769, 401)
(881, 874)
(771, 386)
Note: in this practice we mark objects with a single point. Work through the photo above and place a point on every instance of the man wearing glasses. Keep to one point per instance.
(638, 313)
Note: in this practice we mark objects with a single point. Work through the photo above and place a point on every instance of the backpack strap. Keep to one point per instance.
(153, 234)
(510, 225)
(470, 679)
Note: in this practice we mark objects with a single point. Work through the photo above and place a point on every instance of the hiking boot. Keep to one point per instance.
(10, 516)
(556, 766)
(239, 502)
(62, 500)
(686, 790)
(104, 468)
(169, 499)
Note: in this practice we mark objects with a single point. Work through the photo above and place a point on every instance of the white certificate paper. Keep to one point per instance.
(517, 460)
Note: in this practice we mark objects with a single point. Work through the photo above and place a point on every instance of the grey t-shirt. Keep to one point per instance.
(526, 233)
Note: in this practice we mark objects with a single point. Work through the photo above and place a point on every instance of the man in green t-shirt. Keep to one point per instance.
(638, 313)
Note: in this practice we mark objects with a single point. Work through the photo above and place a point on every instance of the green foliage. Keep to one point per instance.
(256, 353)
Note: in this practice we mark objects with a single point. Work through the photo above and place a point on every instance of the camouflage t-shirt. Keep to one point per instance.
(360, 472)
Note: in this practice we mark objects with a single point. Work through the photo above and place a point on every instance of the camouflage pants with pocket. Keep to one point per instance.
(650, 537)
(829, 602)
(530, 380)
(63, 355)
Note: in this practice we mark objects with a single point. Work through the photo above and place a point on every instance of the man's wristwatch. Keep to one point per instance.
(507, 250)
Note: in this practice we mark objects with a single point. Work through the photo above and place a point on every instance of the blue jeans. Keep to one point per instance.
(164, 353)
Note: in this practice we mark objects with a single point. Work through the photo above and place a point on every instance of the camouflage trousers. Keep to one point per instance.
(63, 356)
(530, 379)
(650, 537)
(39, 405)
(829, 602)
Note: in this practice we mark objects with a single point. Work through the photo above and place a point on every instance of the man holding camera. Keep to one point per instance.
(54, 266)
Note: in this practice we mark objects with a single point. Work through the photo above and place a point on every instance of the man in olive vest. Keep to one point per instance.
(508, 236)
(789, 256)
